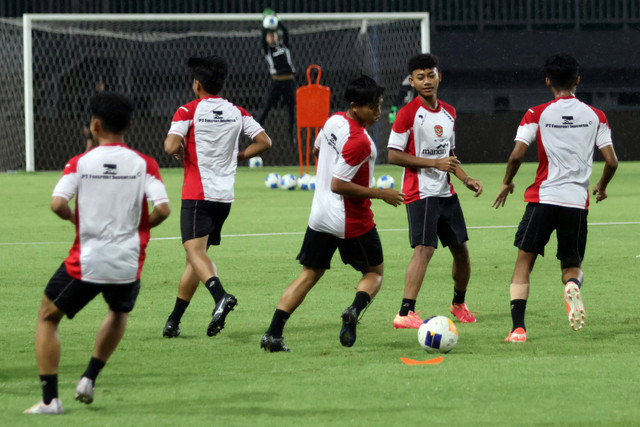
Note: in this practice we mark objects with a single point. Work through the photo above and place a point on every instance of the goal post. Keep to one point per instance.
(144, 56)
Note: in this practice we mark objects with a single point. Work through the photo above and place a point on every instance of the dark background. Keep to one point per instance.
(491, 53)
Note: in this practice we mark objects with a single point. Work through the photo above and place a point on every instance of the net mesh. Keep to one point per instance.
(12, 154)
(146, 61)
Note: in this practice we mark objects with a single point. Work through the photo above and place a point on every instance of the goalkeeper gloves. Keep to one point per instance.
(392, 114)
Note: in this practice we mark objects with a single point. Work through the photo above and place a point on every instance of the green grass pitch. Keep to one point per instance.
(558, 377)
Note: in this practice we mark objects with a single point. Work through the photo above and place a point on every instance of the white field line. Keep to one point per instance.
(478, 227)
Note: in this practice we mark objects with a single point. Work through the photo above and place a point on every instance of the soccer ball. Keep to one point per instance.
(272, 180)
(288, 182)
(438, 334)
(385, 181)
(255, 162)
(312, 182)
(303, 181)
(270, 22)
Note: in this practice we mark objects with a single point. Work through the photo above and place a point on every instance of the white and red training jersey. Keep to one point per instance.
(112, 184)
(211, 129)
(347, 153)
(567, 130)
(422, 132)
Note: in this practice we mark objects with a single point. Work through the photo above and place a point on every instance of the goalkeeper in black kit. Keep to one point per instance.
(276, 48)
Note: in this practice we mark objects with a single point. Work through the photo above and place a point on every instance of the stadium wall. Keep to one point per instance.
(489, 137)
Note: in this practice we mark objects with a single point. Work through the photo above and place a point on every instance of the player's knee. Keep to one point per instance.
(424, 251)
(49, 312)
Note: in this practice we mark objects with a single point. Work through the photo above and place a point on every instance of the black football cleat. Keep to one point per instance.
(269, 343)
(223, 307)
(349, 323)
(171, 329)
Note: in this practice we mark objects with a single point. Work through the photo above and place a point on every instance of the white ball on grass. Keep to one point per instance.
(438, 334)
(288, 182)
(256, 162)
(272, 180)
(303, 181)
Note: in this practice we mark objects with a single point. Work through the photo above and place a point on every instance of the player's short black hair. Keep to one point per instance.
(114, 111)
(210, 71)
(363, 91)
(562, 70)
(423, 61)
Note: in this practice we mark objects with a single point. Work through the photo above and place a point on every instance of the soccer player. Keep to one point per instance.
(341, 216)
(210, 127)
(566, 131)
(112, 184)
(277, 52)
(422, 140)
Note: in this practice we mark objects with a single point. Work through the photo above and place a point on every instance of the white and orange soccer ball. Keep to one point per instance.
(438, 334)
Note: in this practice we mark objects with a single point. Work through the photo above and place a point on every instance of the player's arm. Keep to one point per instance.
(388, 195)
(610, 166)
(260, 144)
(513, 164)
(159, 213)
(60, 206)
(472, 184)
(173, 146)
(400, 158)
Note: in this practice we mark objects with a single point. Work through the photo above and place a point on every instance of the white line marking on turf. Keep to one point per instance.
(292, 233)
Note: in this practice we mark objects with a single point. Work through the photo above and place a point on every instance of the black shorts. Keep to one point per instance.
(359, 252)
(71, 295)
(539, 221)
(199, 218)
(436, 217)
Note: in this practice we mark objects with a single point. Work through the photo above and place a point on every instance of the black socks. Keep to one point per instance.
(94, 368)
(518, 307)
(49, 387)
(407, 306)
(280, 317)
(215, 288)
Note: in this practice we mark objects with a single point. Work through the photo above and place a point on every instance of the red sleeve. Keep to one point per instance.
(404, 118)
(72, 165)
(185, 112)
(356, 149)
(243, 111)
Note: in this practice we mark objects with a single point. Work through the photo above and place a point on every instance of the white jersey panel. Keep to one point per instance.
(568, 131)
(328, 209)
(111, 183)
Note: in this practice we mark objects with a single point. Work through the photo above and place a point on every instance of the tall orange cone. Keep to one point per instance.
(312, 108)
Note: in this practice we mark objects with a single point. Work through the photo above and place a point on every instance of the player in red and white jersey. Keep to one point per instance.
(566, 131)
(347, 153)
(422, 140)
(341, 216)
(110, 174)
(210, 127)
(112, 185)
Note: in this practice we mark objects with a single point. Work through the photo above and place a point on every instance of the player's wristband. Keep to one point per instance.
(466, 178)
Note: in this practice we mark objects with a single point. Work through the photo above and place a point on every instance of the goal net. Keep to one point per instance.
(145, 58)
(12, 146)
